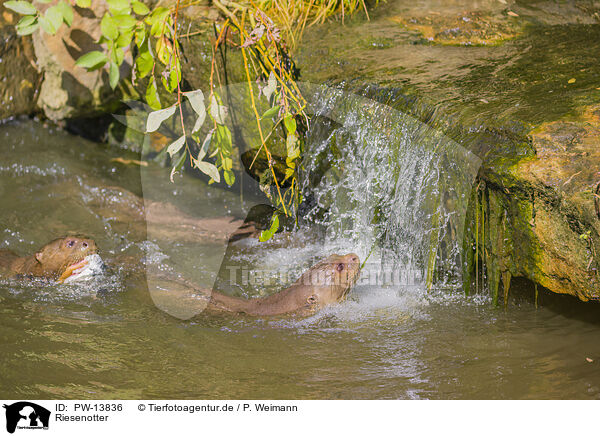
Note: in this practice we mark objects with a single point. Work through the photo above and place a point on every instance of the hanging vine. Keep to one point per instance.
(152, 36)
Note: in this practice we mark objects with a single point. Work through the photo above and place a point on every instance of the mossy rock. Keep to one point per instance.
(18, 92)
(469, 28)
(517, 90)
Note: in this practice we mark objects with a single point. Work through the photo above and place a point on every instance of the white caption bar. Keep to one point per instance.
(23, 417)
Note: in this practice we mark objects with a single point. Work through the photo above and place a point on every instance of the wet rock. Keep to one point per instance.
(128, 134)
(198, 11)
(19, 78)
(501, 86)
(467, 28)
(562, 179)
(561, 13)
(540, 216)
(69, 91)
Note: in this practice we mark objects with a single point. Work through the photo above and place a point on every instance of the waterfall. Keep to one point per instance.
(390, 183)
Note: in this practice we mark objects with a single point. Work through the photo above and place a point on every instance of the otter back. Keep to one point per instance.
(325, 283)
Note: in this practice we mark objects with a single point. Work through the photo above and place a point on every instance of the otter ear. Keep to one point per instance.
(39, 256)
(312, 299)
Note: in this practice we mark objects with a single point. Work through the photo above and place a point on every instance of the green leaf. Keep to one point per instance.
(289, 172)
(156, 118)
(117, 54)
(91, 60)
(290, 123)
(83, 3)
(175, 146)
(265, 235)
(113, 76)
(139, 8)
(144, 63)
(178, 166)
(291, 145)
(196, 99)
(223, 138)
(209, 169)
(27, 30)
(271, 86)
(124, 21)
(47, 26)
(156, 20)
(27, 20)
(204, 147)
(54, 16)
(67, 12)
(198, 123)
(21, 7)
(119, 6)
(44, 1)
(271, 112)
(163, 51)
(152, 95)
(274, 223)
(140, 35)
(108, 27)
(217, 111)
(124, 39)
(227, 164)
(170, 83)
(229, 177)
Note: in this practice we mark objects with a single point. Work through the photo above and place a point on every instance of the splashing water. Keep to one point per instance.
(94, 266)
(382, 179)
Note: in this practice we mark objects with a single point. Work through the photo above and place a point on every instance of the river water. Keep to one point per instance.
(106, 339)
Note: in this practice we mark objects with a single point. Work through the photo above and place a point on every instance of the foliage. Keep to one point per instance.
(153, 36)
(293, 16)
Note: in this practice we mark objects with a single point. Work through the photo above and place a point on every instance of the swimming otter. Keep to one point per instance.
(164, 220)
(327, 282)
(56, 260)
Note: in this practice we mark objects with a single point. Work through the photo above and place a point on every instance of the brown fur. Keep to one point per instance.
(164, 220)
(51, 260)
(327, 282)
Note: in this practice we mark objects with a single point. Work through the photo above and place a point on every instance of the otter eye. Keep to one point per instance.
(70, 243)
(84, 245)
(340, 267)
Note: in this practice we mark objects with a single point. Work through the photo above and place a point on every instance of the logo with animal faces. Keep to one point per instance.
(26, 415)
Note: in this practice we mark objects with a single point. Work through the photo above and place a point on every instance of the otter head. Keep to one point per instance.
(56, 257)
(330, 280)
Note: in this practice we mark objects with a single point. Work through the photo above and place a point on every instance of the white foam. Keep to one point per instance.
(93, 267)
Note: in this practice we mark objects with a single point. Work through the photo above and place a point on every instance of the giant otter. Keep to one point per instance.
(163, 220)
(327, 282)
(56, 260)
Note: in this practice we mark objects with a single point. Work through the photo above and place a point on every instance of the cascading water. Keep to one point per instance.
(380, 182)
(391, 185)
